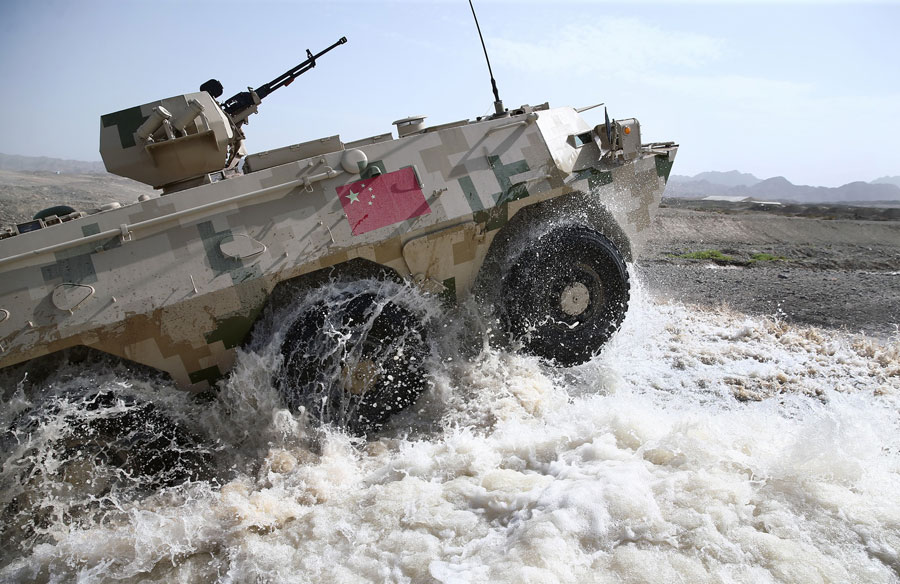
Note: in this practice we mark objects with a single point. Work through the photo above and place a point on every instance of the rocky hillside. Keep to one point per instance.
(22, 194)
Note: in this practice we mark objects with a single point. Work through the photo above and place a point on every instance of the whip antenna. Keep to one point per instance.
(498, 104)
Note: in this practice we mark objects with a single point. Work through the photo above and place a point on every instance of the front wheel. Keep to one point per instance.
(565, 295)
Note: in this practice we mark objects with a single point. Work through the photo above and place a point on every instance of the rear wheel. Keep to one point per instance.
(138, 439)
(76, 454)
(565, 295)
(354, 361)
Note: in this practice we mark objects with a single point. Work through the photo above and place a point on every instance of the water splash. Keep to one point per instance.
(699, 446)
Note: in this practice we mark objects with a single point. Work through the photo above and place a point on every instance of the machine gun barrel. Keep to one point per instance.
(237, 104)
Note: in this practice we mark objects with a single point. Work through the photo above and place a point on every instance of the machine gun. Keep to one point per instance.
(241, 105)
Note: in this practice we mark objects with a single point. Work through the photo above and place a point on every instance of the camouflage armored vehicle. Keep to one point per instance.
(533, 205)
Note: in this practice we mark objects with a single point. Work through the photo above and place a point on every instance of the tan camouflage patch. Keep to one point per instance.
(333, 259)
(464, 251)
(389, 251)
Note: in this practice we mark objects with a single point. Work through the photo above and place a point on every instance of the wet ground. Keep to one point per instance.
(840, 273)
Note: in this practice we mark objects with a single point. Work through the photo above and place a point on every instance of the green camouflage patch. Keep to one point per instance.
(233, 330)
(127, 122)
(596, 178)
(77, 269)
(664, 167)
(210, 375)
(493, 218)
(217, 260)
(448, 296)
(471, 194)
(509, 192)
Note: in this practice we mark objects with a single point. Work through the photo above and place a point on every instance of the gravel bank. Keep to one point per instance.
(837, 273)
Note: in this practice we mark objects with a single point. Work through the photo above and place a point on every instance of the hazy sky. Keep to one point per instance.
(809, 91)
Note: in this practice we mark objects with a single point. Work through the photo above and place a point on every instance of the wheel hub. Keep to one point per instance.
(574, 299)
(362, 377)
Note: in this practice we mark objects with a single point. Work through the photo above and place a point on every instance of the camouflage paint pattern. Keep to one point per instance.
(176, 282)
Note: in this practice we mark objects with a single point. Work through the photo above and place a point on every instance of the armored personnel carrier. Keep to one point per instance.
(531, 205)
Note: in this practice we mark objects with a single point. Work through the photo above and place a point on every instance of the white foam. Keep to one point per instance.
(698, 447)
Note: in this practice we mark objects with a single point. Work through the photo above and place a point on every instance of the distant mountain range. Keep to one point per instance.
(731, 178)
(734, 184)
(17, 163)
(887, 180)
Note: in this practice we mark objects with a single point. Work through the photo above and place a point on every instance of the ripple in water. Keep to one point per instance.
(700, 446)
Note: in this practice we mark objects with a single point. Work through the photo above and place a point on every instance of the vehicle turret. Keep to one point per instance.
(175, 143)
(166, 142)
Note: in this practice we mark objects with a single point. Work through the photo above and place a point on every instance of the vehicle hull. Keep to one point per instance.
(176, 282)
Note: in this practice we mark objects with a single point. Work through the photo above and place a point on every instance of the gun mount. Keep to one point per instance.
(176, 143)
(241, 105)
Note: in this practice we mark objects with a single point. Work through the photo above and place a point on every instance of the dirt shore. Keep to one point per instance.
(833, 268)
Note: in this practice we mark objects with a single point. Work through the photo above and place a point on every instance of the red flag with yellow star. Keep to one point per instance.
(383, 200)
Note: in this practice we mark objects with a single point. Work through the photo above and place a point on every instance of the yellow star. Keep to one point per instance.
(354, 197)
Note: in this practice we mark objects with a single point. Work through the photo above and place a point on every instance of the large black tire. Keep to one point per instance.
(76, 454)
(565, 295)
(354, 362)
(130, 436)
(139, 440)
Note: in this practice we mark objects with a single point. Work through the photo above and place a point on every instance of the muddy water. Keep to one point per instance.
(699, 447)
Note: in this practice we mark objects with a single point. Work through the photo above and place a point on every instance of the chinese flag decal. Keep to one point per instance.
(382, 200)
